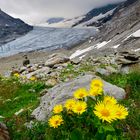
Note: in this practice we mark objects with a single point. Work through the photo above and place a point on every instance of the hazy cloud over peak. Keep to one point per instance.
(33, 11)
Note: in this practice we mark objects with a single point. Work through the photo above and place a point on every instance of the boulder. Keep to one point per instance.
(126, 58)
(56, 59)
(75, 61)
(61, 92)
(44, 70)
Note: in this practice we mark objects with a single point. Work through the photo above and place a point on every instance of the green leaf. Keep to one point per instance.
(108, 128)
(100, 130)
(109, 137)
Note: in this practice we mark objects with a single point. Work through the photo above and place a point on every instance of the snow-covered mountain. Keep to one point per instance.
(120, 34)
(54, 20)
(92, 18)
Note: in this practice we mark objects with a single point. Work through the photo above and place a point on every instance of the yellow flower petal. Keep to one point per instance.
(105, 112)
(69, 104)
(109, 100)
(79, 107)
(80, 93)
(95, 91)
(55, 121)
(96, 83)
(57, 109)
(121, 112)
(33, 78)
(17, 75)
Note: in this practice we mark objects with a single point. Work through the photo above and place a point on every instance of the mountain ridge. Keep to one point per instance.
(11, 28)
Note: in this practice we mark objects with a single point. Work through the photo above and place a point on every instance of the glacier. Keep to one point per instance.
(46, 38)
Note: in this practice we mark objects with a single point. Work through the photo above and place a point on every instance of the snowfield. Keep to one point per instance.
(81, 52)
(135, 34)
(46, 38)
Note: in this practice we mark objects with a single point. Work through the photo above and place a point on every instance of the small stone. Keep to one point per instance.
(111, 69)
(19, 112)
(29, 125)
(51, 82)
(22, 69)
(102, 71)
(75, 61)
(4, 134)
(26, 61)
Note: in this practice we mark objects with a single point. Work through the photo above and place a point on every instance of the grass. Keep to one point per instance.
(26, 96)
(14, 97)
(71, 72)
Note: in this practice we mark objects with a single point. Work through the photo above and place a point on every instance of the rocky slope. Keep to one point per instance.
(119, 34)
(11, 28)
(98, 16)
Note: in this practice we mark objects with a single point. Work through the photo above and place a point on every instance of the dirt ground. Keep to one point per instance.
(6, 63)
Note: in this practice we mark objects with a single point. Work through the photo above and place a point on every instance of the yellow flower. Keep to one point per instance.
(70, 104)
(80, 93)
(105, 112)
(121, 112)
(55, 121)
(24, 77)
(17, 75)
(109, 100)
(96, 83)
(33, 78)
(57, 109)
(95, 91)
(79, 107)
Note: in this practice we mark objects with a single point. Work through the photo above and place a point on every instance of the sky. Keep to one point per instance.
(35, 11)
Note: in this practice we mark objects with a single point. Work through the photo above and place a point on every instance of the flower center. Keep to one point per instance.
(105, 113)
(81, 95)
(96, 85)
(79, 108)
(56, 122)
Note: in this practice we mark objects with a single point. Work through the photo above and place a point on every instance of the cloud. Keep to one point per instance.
(33, 11)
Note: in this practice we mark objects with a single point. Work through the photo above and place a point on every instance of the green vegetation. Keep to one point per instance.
(71, 72)
(15, 96)
(131, 84)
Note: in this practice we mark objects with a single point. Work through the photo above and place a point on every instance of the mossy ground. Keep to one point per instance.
(15, 95)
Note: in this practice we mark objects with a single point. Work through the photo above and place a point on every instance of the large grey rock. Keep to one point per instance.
(62, 92)
(56, 59)
(126, 58)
